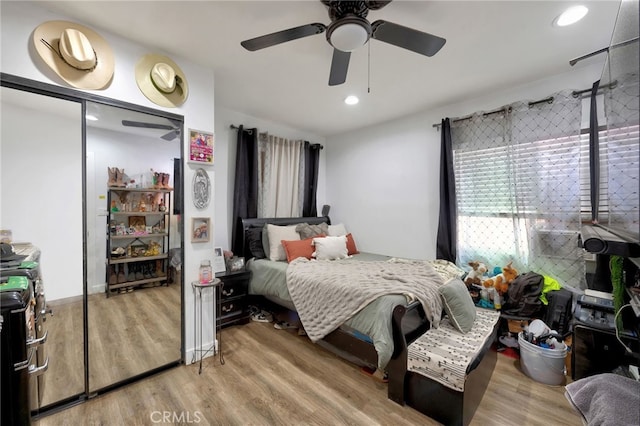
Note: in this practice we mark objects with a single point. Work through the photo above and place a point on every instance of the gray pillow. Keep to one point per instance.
(254, 237)
(458, 304)
(265, 241)
(309, 231)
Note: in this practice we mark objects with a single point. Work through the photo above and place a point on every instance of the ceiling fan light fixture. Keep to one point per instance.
(349, 33)
(571, 16)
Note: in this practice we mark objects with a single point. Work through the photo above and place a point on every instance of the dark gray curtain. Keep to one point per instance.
(447, 228)
(245, 194)
(594, 155)
(311, 164)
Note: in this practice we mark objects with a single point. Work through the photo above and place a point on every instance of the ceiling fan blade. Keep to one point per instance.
(146, 125)
(375, 5)
(170, 136)
(283, 36)
(407, 38)
(339, 67)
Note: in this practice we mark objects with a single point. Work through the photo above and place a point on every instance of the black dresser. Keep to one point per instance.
(234, 305)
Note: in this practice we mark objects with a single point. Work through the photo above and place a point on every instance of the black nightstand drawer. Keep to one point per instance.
(234, 307)
(234, 288)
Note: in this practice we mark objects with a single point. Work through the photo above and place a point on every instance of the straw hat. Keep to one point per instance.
(161, 80)
(79, 55)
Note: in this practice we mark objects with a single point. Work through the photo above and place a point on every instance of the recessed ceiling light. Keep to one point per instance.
(91, 117)
(571, 16)
(351, 100)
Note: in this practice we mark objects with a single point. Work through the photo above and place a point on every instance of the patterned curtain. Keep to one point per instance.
(620, 155)
(517, 175)
(281, 172)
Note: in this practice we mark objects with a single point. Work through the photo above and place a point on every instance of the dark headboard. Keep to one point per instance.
(260, 222)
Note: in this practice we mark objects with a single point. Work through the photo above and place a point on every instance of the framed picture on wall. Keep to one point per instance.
(200, 147)
(200, 228)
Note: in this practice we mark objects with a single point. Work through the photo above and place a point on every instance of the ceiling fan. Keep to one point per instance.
(350, 30)
(173, 134)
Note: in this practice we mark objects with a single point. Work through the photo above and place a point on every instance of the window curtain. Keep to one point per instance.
(281, 177)
(620, 155)
(447, 228)
(312, 163)
(245, 195)
(517, 179)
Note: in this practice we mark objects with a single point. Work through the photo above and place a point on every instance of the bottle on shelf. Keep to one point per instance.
(205, 272)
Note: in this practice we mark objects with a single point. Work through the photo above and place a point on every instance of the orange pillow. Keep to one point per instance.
(299, 248)
(351, 245)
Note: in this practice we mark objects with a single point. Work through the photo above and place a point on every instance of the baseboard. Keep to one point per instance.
(209, 349)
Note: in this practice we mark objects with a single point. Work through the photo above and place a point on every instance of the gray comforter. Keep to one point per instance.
(373, 321)
(326, 293)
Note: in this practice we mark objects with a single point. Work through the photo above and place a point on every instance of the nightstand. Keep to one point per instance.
(233, 298)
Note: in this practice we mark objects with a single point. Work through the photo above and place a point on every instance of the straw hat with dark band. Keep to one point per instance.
(79, 55)
(161, 80)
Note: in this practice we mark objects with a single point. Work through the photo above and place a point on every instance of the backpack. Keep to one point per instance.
(523, 296)
(558, 312)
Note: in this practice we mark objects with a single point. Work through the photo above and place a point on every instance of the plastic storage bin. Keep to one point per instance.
(541, 364)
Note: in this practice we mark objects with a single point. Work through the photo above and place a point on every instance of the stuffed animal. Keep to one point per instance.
(475, 276)
(501, 281)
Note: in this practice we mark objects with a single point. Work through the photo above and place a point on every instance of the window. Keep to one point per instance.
(523, 184)
(518, 188)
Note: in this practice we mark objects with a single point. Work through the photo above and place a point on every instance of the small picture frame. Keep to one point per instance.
(200, 229)
(200, 147)
(218, 260)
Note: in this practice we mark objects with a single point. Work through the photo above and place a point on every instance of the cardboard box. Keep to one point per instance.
(516, 326)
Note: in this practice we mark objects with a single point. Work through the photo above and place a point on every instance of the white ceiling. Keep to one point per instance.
(490, 45)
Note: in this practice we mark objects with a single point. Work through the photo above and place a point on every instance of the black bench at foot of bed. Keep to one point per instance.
(420, 390)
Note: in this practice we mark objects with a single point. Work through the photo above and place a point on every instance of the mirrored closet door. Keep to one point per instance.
(133, 309)
(41, 203)
(89, 182)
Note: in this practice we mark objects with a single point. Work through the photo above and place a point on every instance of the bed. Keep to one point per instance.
(366, 337)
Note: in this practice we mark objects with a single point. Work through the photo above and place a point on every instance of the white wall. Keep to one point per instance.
(41, 204)
(18, 21)
(383, 181)
(225, 164)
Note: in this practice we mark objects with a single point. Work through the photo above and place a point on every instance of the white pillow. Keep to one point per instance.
(330, 248)
(337, 230)
(276, 235)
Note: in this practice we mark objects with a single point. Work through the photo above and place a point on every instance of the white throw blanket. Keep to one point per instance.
(444, 354)
(328, 292)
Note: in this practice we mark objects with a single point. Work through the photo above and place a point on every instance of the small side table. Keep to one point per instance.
(197, 329)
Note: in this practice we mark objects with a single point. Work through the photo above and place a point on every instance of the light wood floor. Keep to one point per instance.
(274, 377)
(129, 334)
